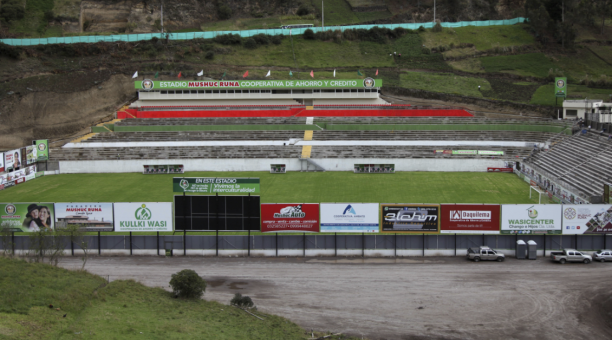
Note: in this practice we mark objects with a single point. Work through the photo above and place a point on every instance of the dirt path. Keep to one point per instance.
(406, 298)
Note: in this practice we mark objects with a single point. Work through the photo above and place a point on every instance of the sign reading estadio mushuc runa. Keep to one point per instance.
(148, 84)
(211, 185)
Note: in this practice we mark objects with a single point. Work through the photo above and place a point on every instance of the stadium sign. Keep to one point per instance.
(587, 219)
(470, 218)
(279, 217)
(212, 185)
(149, 85)
(42, 149)
(349, 218)
(410, 218)
(143, 216)
(561, 87)
(531, 219)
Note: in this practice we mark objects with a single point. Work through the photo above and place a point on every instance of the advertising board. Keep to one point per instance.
(278, 168)
(91, 216)
(531, 219)
(587, 219)
(1, 161)
(149, 84)
(27, 217)
(30, 172)
(410, 218)
(374, 168)
(279, 217)
(162, 169)
(487, 152)
(469, 218)
(211, 185)
(144, 216)
(465, 152)
(349, 218)
(30, 154)
(42, 149)
(12, 160)
(19, 176)
(561, 87)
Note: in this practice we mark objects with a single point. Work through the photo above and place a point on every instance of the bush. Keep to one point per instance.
(250, 43)
(224, 12)
(261, 39)
(437, 28)
(12, 10)
(277, 39)
(421, 29)
(228, 39)
(242, 301)
(210, 55)
(9, 51)
(187, 284)
(309, 34)
(303, 10)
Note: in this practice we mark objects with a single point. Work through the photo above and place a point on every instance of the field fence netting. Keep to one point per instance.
(243, 34)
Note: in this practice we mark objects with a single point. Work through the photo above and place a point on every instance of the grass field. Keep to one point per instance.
(118, 310)
(482, 38)
(531, 64)
(293, 187)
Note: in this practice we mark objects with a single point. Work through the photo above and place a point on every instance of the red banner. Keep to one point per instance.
(470, 218)
(300, 217)
(500, 170)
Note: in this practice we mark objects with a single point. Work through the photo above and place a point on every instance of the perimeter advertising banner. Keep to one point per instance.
(300, 217)
(149, 84)
(470, 218)
(587, 219)
(19, 176)
(92, 216)
(349, 218)
(1, 161)
(216, 185)
(561, 87)
(30, 154)
(12, 160)
(27, 217)
(147, 216)
(531, 219)
(410, 218)
(42, 149)
(30, 172)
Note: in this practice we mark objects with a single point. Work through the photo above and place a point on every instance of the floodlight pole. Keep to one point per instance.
(434, 11)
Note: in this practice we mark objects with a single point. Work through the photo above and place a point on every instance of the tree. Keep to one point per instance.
(187, 284)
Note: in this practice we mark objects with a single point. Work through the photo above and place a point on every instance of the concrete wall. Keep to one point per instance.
(293, 164)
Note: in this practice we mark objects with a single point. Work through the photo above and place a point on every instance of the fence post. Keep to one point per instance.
(130, 243)
(604, 236)
(576, 241)
(304, 242)
(13, 241)
(362, 244)
(71, 246)
(99, 243)
(455, 244)
(276, 246)
(336, 244)
(185, 242)
(545, 245)
(249, 242)
(423, 244)
(158, 243)
(395, 245)
(217, 238)
(483, 239)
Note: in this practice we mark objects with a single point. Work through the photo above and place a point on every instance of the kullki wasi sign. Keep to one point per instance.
(148, 84)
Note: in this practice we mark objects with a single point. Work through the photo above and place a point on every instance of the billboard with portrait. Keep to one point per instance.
(349, 218)
(531, 219)
(143, 216)
(587, 219)
(300, 217)
(91, 216)
(470, 218)
(27, 217)
(410, 218)
(12, 160)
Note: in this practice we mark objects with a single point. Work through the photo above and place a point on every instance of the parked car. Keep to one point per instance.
(603, 255)
(570, 255)
(484, 253)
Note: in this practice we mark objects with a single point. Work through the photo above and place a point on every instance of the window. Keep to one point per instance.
(571, 253)
(571, 113)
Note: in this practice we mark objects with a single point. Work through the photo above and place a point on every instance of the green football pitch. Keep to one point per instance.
(293, 187)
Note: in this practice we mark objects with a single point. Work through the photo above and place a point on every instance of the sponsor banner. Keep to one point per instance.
(92, 216)
(1, 161)
(279, 217)
(3, 178)
(410, 218)
(211, 185)
(485, 152)
(27, 217)
(374, 168)
(587, 219)
(42, 149)
(146, 216)
(40, 174)
(149, 84)
(31, 154)
(465, 152)
(561, 87)
(19, 176)
(30, 172)
(278, 168)
(349, 218)
(163, 169)
(531, 219)
(12, 160)
(9, 184)
(470, 218)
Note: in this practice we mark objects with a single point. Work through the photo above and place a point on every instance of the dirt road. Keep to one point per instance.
(407, 298)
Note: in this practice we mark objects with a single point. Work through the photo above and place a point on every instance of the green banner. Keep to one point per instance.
(212, 185)
(561, 87)
(42, 149)
(465, 152)
(486, 152)
(27, 217)
(148, 84)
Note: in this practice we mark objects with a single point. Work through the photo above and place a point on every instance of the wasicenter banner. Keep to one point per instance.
(211, 185)
(147, 216)
(148, 85)
(531, 219)
(587, 219)
(349, 218)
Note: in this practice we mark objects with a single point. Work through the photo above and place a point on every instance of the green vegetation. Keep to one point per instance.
(584, 62)
(531, 64)
(337, 12)
(435, 187)
(444, 82)
(545, 94)
(94, 309)
(482, 38)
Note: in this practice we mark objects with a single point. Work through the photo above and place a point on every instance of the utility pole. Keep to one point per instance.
(162, 17)
(434, 11)
(322, 15)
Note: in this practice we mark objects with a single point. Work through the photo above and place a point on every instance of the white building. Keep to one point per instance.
(577, 108)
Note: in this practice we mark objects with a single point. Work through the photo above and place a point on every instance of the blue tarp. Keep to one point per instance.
(248, 33)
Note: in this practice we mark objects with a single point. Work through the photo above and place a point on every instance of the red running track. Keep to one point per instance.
(296, 112)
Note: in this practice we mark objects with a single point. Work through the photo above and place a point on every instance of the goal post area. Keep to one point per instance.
(539, 192)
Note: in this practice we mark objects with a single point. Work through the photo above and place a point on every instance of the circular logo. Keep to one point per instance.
(532, 213)
(147, 84)
(10, 209)
(184, 184)
(143, 213)
(569, 213)
(368, 83)
(42, 147)
(560, 83)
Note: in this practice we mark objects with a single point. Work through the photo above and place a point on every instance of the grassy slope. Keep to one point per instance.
(119, 310)
(494, 36)
(545, 94)
(448, 83)
(434, 187)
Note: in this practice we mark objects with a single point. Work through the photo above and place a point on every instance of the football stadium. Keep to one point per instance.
(355, 204)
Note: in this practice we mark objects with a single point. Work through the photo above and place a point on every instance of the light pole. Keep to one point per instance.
(162, 17)
(322, 15)
(434, 11)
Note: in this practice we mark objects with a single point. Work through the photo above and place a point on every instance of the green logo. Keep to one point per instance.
(184, 184)
(143, 213)
(42, 147)
(532, 212)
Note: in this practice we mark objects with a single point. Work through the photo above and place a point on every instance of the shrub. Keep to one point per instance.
(242, 301)
(187, 284)
(210, 55)
(228, 39)
(9, 51)
(421, 29)
(437, 28)
(224, 12)
(303, 10)
(250, 43)
(261, 39)
(277, 39)
(309, 34)
(12, 10)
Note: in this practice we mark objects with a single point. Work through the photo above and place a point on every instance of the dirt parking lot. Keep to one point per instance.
(404, 298)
